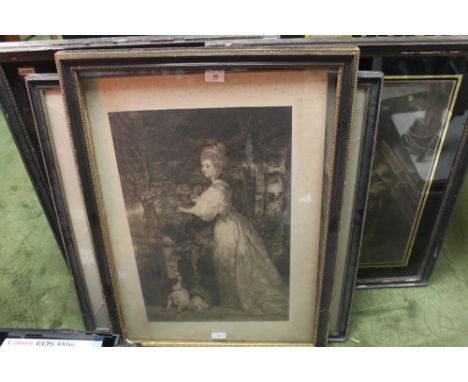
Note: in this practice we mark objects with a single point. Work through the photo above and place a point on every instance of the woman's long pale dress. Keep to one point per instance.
(246, 276)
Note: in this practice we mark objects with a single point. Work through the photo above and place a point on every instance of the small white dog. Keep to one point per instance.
(179, 297)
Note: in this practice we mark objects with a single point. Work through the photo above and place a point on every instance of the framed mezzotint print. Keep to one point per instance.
(62, 174)
(213, 182)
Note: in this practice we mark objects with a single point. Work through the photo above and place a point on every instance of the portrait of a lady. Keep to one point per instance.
(207, 195)
(246, 276)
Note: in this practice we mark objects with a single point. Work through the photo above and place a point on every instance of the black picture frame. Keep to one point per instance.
(430, 57)
(71, 64)
(418, 168)
(93, 311)
(347, 259)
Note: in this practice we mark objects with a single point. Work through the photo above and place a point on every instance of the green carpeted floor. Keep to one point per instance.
(36, 290)
(436, 315)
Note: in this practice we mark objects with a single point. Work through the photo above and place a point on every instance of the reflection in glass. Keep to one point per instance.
(413, 122)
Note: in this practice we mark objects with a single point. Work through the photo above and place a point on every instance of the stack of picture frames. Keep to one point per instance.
(419, 159)
(212, 183)
(222, 191)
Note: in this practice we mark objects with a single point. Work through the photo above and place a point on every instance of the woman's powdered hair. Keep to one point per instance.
(216, 152)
